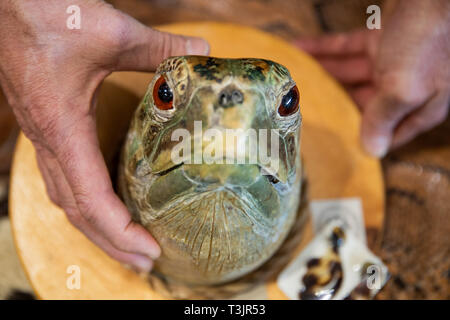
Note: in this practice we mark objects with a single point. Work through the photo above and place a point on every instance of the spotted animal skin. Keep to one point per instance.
(214, 222)
(327, 272)
(324, 275)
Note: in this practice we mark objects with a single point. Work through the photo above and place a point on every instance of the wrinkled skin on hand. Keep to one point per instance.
(399, 76)
(50, 75)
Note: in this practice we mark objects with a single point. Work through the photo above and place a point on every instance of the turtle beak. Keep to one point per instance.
(238, 156)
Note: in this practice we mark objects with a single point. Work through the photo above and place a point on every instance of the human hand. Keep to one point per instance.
(50, 75)
(399, 76)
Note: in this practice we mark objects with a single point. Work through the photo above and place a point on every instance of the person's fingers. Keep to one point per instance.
(144, 48)
(141, 262)
(431, 114)
(86, 173)
(335, 44)
(349, 70)
(137, 261)
(52, 170)
(54, 176)
(362, 95)
(379, 119)
(52, 190)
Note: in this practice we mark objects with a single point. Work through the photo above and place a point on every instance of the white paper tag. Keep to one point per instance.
(349, 210)
(337, 263)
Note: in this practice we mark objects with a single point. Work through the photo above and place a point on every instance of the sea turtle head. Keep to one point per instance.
(214, 145)
(208, 123)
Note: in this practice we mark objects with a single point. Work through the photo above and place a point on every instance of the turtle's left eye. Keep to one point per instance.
(289, 103)
(162, 95)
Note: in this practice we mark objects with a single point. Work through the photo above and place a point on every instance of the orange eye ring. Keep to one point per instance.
(162, 95)
(290, 103)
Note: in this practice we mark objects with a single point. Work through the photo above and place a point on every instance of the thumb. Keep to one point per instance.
(351, 43)
(145, 47)
(379, 120)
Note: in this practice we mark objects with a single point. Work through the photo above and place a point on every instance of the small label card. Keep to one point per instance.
(348, 210)
(336, 264)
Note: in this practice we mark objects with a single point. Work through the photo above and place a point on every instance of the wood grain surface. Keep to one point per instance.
(334, 162)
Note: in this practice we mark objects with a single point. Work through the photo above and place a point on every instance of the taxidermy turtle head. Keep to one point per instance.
(211, 163)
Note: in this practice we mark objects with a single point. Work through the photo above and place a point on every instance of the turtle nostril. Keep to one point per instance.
(229, 97)
(237, 97)
(223, 99)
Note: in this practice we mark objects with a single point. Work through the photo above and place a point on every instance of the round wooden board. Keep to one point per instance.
(335, 165)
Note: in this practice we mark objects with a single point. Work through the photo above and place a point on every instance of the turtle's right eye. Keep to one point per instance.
(162, 95)
(289, 103)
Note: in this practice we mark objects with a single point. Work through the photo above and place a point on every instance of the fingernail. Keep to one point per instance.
(197, 46)
(142, 264)
(376, 146)
(154, 252)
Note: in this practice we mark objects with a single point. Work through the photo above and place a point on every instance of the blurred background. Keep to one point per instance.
(415, 239)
